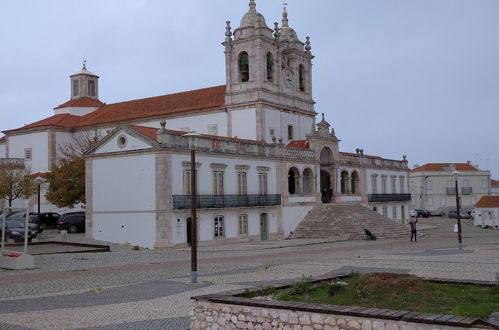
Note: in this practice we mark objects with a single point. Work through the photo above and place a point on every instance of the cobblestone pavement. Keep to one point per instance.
(126, 289)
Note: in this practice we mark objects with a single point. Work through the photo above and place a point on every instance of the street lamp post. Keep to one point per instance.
(194, 248)
(39, 182)
(458, 210)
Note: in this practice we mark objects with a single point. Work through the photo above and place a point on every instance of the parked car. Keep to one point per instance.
(18, 215)
(413, 213)
(32, 226)
(463, 215)
(15, 230)
(73, 222)
(47, 219)
(423, 213)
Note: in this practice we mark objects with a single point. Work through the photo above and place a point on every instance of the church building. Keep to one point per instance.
(263, 163)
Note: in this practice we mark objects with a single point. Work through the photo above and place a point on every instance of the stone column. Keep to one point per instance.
(89, 195)
(164, 207)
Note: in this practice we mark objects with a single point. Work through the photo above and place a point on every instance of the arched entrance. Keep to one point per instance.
(355, 183)
(326, 191)
(293, 176)
(308, 181)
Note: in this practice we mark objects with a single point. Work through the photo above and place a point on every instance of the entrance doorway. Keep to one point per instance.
(326, 191)
(188, 231)
(264, 228)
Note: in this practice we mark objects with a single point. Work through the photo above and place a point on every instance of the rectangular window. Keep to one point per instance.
(450, 184)
(213, 129)
(374, 184)
(243, 224)
(429, 200)
(429, 185)
(485, 185)
(28, 154)
(394, 185)
(394, 213)
(466, 183)
(187, 182)
(262, 183)
(91, 88)
(75, 88)
(402, 190)
(383, 184)
(242, 183)
(385, 211)
(218, 183)
(219, 227)
(443, 201)
(290, 132)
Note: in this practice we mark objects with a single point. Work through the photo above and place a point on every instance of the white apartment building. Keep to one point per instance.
(432, 186)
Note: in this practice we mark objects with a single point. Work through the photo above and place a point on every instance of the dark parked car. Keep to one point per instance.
(423, 213)
(15, 230)
(18, 215)
(73, 222)
(466, 215)
(47, 219)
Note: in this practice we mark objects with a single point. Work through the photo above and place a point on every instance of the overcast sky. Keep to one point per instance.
(394, 77)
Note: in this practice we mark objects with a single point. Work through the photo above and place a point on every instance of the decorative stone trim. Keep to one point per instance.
(242, 167)
(263, 169)
(218, 166)
(187, 165)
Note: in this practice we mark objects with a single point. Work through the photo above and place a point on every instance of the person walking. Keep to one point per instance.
(413, 222)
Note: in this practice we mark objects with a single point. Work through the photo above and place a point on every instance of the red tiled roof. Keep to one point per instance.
(3, 139)
(488, 201)
(81, 102)
(494, 183)
(302, 144)
(201, 99)
(38, 174)
(147, 131)
(442, 166)
(62, 120)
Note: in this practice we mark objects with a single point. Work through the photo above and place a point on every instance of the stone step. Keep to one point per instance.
(347, 221)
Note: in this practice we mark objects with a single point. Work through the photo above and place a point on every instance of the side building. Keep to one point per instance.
(432, 186)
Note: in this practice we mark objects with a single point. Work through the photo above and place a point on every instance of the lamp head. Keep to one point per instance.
(192, 139)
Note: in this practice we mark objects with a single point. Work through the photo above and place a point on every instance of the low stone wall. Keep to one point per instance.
(231, 310)
(211, 315)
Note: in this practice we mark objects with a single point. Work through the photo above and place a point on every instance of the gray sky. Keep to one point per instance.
(394, 77)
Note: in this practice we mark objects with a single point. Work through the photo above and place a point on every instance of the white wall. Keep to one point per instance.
(132, 143)
(198, 123)
(292, 216)
(244, 124)
(388, 174)
(118, 188)
(124, 199)
(205, 174)
(486, 217)
(38, 142)
(135, 228)
(280, 121)
(3, 150)
(76, 111)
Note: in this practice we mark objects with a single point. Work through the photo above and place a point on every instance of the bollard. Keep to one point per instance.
(64, 235)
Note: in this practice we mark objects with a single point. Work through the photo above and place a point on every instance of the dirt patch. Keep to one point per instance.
(386, 281)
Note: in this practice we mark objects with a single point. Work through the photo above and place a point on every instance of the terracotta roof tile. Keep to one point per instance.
(81, 102)
(39, 174)
(488, 201)
(147, 131)
(494, 183)
(63, 120)
(301, 144)
(201, 99)
(442, 166)
(3, 139)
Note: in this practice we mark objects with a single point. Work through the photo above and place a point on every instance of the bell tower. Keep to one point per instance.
(84, 84)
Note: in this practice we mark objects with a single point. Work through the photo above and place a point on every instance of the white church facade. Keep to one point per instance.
(262, 160)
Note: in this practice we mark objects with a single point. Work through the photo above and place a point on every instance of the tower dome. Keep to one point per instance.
(287, 33)
(253, 18)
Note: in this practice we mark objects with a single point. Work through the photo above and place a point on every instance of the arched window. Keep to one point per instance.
(354, 182)
(308, 181)
(345, 180)
(293, 177)
(244, 66)
(302, 77)
(270, 67)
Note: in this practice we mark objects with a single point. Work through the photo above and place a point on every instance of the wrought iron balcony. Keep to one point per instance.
(466, 190)
(451, 191)
(380, 198)
(222, 201)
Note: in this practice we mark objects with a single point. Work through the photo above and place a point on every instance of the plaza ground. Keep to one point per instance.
(151, 289)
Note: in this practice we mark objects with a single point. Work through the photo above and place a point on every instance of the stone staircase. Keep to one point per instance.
(347, 222)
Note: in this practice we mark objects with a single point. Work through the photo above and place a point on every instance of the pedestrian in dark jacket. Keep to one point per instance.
(413, 223)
